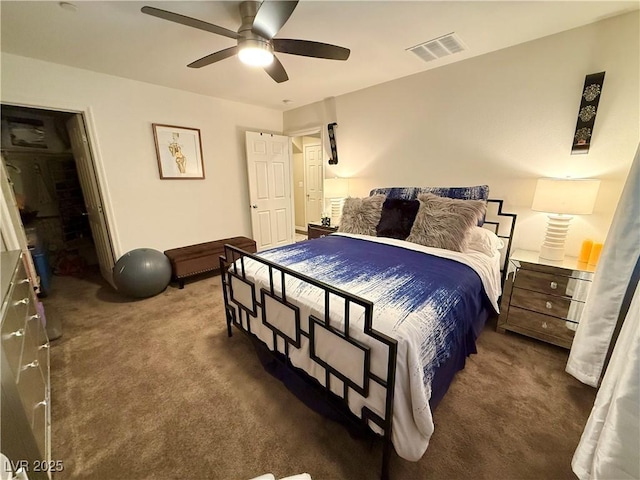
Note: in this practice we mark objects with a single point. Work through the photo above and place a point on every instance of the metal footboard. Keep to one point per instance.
(247, 305)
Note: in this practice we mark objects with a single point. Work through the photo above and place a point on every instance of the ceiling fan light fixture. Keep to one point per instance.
(256, 53)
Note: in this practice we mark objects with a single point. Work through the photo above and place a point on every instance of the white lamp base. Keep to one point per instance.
(554, 237)
(336, 211)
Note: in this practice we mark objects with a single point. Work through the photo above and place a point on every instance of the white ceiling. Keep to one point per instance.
(115, 38)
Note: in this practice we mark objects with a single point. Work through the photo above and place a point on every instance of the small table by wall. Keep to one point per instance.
(316, 230)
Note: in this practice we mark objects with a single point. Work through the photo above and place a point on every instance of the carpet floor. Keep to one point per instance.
(154, 389)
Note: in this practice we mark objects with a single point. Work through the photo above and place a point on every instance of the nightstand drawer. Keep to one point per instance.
(543, 324)
(542, 282)
(318, 231)
(540, 302)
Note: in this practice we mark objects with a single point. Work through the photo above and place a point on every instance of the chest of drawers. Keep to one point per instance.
(25, 429)
(544, 299)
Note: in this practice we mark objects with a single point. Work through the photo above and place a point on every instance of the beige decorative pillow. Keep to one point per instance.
(444, 222)
(361, 215)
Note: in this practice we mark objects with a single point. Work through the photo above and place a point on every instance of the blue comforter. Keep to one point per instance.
(436, 298)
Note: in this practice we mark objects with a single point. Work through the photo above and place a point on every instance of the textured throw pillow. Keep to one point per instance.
(397, 218)
(361, 215)
(444, 222)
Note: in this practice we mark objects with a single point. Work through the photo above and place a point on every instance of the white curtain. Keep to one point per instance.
(610, 282)
(610, 444)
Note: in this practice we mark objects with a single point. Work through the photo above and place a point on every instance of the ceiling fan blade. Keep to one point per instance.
(271, 16)
(214, 57)
(307, 48)
(277, 71)
(189, 22)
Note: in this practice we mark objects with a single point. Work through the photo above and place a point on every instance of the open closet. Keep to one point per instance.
(42, 170)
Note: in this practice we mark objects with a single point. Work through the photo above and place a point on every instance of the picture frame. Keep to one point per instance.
(179, 152)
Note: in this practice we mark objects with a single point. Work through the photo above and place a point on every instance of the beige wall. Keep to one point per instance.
(143, 210)
(504, 119)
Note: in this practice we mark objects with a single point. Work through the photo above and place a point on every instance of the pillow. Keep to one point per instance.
(397, 218)
(476, 192)
(361, 215)
(482, 240)
(444, 222)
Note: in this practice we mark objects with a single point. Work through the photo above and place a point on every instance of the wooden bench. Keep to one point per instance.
(203, 257)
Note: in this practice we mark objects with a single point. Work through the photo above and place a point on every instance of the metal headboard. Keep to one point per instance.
(499, 229)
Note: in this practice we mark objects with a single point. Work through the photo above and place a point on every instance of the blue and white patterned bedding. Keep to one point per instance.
(425, 298)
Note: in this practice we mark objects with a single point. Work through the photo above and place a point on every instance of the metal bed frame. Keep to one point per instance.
(242, 314)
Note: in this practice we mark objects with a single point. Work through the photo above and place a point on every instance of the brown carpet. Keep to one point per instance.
(154, 389)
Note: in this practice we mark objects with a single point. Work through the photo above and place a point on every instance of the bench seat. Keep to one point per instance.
(203, 257)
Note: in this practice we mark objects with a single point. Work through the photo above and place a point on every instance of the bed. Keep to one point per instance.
(374, 318)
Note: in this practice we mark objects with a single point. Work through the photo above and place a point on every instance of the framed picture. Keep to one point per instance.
(179, 152)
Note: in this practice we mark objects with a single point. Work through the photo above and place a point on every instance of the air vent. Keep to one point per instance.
(438, 47)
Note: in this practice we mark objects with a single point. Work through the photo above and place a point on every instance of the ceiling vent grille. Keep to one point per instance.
(438, 47)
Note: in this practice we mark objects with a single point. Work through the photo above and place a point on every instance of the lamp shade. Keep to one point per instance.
(336, 187)
(565, 196)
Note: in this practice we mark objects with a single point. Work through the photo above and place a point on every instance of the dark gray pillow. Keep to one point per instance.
(444, 222)
(361, 215)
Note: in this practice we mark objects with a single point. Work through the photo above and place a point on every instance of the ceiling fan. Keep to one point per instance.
(261, 21)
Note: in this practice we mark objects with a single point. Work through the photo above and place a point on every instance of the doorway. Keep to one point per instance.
(48, 161)
(308, 180)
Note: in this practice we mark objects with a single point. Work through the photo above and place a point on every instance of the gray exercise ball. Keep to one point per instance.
(141, 273)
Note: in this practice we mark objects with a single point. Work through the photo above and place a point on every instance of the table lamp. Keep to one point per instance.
(336, 189)
(561, 198)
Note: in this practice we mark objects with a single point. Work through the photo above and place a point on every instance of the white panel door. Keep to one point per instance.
(313, 182)
(91, 194)
(271, 202)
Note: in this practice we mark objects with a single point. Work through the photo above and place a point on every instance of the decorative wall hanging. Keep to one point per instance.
(587, 112)
(332, 142)
(179, 152)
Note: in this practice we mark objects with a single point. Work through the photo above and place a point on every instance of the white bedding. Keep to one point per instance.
(412, 419)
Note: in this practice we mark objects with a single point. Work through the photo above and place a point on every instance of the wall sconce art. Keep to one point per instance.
(332, 143)
(587, 113)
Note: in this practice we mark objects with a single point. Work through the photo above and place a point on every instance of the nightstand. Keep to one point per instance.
(315, 230)
(544, 299)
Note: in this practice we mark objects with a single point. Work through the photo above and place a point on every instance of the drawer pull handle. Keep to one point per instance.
(33, 364)
(553, 285)
(33, 317)
(17, 333)
(43, 403)
(24, 301)
(549, 305)
(544, 325)
(44, 345)
(24, 280)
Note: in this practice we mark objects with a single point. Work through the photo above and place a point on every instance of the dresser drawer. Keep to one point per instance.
(542, 282)
(21, 285)
(544, 324)
(31, 387)
(13, 330)
(540, 302)
(36, 345)
(40, 425)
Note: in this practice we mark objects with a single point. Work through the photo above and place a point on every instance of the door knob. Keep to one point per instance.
(254, 206)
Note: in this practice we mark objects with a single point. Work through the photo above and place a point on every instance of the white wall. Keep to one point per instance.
(504, 119)
(143, 210)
